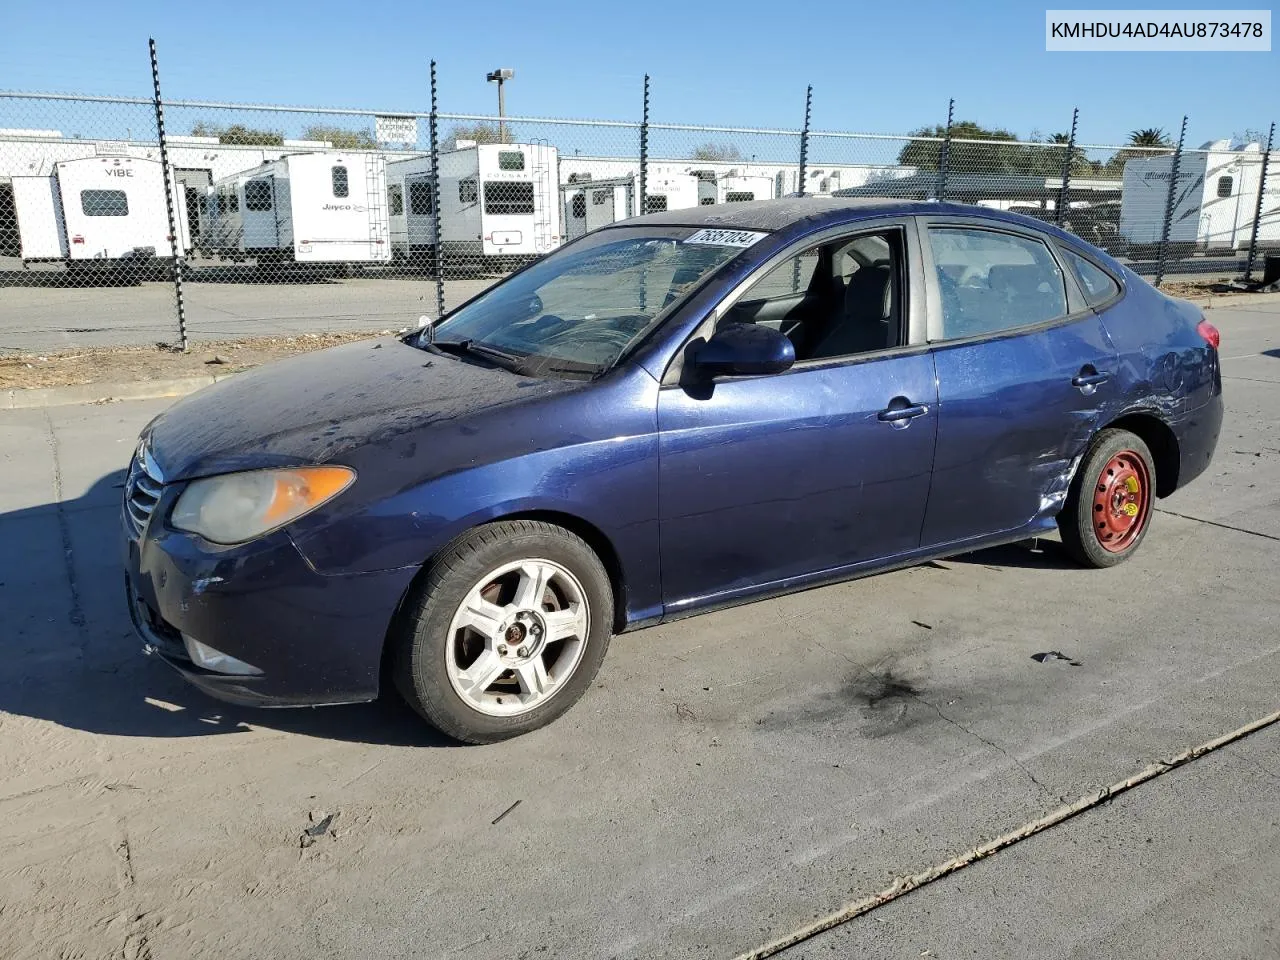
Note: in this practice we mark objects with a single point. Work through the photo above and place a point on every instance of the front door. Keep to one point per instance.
(766, 479)
(1023, 375)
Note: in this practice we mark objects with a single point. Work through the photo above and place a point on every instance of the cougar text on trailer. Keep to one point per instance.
(496, 200)
(102, 211)
(323, 207)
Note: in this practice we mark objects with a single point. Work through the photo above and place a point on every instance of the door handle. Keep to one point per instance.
(902, 415)
(1086, 383)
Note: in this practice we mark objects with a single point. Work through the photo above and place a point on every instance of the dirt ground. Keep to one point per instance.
(133, 364)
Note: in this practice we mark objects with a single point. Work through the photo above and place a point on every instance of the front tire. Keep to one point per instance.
(1109, 508)
(505, 632)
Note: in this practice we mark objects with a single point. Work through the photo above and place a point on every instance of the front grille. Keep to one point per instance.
(141, 491)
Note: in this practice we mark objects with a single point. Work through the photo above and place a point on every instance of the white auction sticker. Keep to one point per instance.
(727, 238)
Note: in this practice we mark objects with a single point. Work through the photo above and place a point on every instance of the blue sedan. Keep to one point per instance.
(677, 412)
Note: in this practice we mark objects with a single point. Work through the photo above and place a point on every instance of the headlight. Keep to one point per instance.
(236, 507)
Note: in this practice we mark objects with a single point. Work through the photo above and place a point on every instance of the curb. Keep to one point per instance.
(1234, 299)
(30, 398)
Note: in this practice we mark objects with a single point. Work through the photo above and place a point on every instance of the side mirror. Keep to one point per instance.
(745, 350)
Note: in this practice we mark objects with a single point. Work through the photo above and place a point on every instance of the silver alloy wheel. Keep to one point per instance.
(517, 637)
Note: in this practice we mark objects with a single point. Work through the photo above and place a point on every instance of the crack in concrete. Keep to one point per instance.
(1214, 523)
(64, 531)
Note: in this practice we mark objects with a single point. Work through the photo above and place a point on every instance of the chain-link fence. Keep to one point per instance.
(133, 221)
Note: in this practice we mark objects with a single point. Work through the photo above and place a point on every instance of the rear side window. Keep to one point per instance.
(341, 187)
(420, 198)
(395, 199)
(510, 160)
(989, 282)
(1097, 284)
(104, 203)
(257, 195)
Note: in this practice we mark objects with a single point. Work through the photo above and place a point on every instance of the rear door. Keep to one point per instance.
(1024, 371)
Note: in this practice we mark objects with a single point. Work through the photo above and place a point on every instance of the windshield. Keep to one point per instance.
(580, 309)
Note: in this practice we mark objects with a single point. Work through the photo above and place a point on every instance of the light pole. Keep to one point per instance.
(500, 77)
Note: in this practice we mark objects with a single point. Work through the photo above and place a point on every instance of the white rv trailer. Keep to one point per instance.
(496, 200)
(589, 203)
(101, 210)
(740, 187)
(322, 207)
(1215, 198)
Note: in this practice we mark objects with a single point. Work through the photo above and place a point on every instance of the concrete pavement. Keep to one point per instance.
(731, 777)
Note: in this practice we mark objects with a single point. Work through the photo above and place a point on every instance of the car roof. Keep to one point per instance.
(774, 215)
(829, 211)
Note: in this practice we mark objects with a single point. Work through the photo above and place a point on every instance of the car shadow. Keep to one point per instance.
(73, 659)
(1039, 554)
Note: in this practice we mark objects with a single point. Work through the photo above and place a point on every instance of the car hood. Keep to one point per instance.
(315, 407)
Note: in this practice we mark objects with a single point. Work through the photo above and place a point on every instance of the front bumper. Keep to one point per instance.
(317, 639)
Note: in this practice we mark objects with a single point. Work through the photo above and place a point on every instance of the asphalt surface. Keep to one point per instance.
(730, 777)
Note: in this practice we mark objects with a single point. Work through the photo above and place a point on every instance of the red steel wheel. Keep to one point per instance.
(1121, 501)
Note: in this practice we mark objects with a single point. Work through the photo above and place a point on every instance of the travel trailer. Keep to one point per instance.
(100, 211)
(496, 200)
(589, 204)
(1215, 199)
(322, 207)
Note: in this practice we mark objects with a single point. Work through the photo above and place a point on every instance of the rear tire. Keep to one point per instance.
(1108, 509)
(505, 632)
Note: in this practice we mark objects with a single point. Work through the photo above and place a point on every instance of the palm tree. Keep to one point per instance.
(1149, 137)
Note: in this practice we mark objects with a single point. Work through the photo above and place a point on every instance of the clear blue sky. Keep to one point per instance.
(882, 67)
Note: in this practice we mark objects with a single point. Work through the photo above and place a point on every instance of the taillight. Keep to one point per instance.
(1210, 333)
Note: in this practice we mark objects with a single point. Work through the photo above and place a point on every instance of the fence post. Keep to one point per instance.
(1169, 202)
(1257, 213)
(1065, 192)
(644, 151)
(804, 139)
(944, 160)
(437, 249)
(170, 188)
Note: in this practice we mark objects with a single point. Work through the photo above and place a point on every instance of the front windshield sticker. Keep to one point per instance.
(727, 238)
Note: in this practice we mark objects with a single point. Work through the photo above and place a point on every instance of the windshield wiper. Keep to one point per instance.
(501, 357)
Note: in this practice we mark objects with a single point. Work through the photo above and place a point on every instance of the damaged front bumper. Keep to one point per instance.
(308, 638)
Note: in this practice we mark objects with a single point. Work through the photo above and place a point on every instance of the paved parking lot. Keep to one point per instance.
(730, 778)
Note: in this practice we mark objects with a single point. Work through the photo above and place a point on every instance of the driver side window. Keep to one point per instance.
(837, 299)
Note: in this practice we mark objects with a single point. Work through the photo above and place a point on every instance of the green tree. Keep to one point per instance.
(482, 131)
(341, 138)
(716, 151)
(1149, 137)
(239, 134)
(997, 152)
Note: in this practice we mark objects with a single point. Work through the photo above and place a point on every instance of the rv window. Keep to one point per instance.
(707, 202)
(395, 199)
(420, 198)
(655, 203)
(738, 196)
(579, 207)
(340, 187)
(600, 197)
(510, 160)
(104, 203)
(509, 198)
(257, 195)
(468, 190)
(1225, 186)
